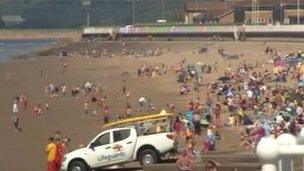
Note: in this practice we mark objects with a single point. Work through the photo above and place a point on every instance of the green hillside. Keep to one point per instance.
(72, 14)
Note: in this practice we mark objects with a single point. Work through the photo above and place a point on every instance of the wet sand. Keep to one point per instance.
(11, 34)
(25, 150)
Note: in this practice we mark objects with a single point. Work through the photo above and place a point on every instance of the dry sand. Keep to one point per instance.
(25, 150)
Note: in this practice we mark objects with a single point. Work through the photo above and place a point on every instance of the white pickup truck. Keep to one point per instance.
(117, 146)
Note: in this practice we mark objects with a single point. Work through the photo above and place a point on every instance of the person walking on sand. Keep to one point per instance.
(15, 107)
(141, 103)
(197, 123)
(215, 67)
(212, 165)
(184, 162)
(63, 90)
(124, 87)
(47, 107)
(59, 154)
(86, 109)
(64, 68)
(38, 110)
(51, 154)
(128, 111)
(24, 100)
(41, 73)
(15, 117)
(106, 114)
(57, 135)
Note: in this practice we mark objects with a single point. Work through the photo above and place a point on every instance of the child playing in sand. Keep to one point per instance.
(86, 108)
(106, 114)
(47, 106)
(24, 100)
(38, 110)
(128, 111)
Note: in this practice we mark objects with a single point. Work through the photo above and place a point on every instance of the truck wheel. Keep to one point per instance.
(147, 157)
(77, 166)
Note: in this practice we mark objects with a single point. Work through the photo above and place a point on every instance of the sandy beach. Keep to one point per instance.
(25, 150)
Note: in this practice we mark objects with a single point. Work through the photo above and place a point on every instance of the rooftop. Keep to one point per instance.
(230, 4)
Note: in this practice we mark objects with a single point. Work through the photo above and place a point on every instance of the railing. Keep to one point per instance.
(167, 30)
(99, 30)
(164, 29)
(272, 28)
(276, 154)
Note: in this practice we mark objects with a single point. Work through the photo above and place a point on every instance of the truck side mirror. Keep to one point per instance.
(93, 145)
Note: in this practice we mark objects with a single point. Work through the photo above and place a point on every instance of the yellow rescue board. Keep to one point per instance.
(144, 118)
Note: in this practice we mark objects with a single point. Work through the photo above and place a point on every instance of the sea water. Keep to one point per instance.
(12, 48)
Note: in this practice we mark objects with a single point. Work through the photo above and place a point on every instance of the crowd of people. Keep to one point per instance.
(149, 71)
(55, 149)
(258, 101)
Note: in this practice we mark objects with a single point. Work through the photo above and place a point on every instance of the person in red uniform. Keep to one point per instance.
(59, 154)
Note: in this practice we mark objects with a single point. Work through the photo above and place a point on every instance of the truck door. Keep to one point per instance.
(101, 150)
(124, 141)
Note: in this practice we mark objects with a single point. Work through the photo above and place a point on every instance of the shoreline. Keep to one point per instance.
(61, 37)
(35, 53)
(38, 53)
